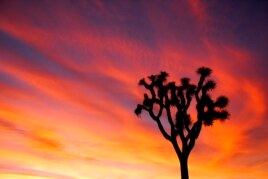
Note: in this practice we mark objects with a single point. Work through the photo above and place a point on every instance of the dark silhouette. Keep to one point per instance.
(164, 95)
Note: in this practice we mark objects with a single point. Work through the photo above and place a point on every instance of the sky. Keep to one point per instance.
(69, 73)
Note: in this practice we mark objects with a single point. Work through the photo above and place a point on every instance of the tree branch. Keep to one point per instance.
(162, 130)
(190, 146)
(199, 86)
(170, 120)
(187, 129)
(181, 95)
(188, 102)
(151, 89)
(200, 83)
(160, 126)
(176, 147)
(160, 111)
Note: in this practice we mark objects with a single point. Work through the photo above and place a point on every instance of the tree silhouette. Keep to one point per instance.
(164, 95)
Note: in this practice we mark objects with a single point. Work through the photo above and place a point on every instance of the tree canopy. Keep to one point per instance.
(163, 95)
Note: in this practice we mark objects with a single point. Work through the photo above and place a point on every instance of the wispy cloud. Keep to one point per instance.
(69, 74)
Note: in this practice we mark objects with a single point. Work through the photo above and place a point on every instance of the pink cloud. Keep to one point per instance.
(87, 99)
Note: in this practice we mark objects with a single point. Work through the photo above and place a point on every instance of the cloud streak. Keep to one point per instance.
(68, 78)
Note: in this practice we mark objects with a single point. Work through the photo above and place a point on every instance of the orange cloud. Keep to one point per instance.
(81, 73)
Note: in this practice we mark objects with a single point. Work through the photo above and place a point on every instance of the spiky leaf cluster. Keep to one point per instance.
(209, 109)
(166, 94)
(169, 94)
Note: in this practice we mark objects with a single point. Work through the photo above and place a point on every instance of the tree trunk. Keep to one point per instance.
(183, 158)
(184, 168)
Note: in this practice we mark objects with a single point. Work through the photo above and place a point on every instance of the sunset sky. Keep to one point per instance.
(69, 73)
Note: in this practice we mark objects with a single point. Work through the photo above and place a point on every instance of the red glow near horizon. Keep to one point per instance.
(68, 88)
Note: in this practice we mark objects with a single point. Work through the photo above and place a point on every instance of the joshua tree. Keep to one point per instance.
(164, 95)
